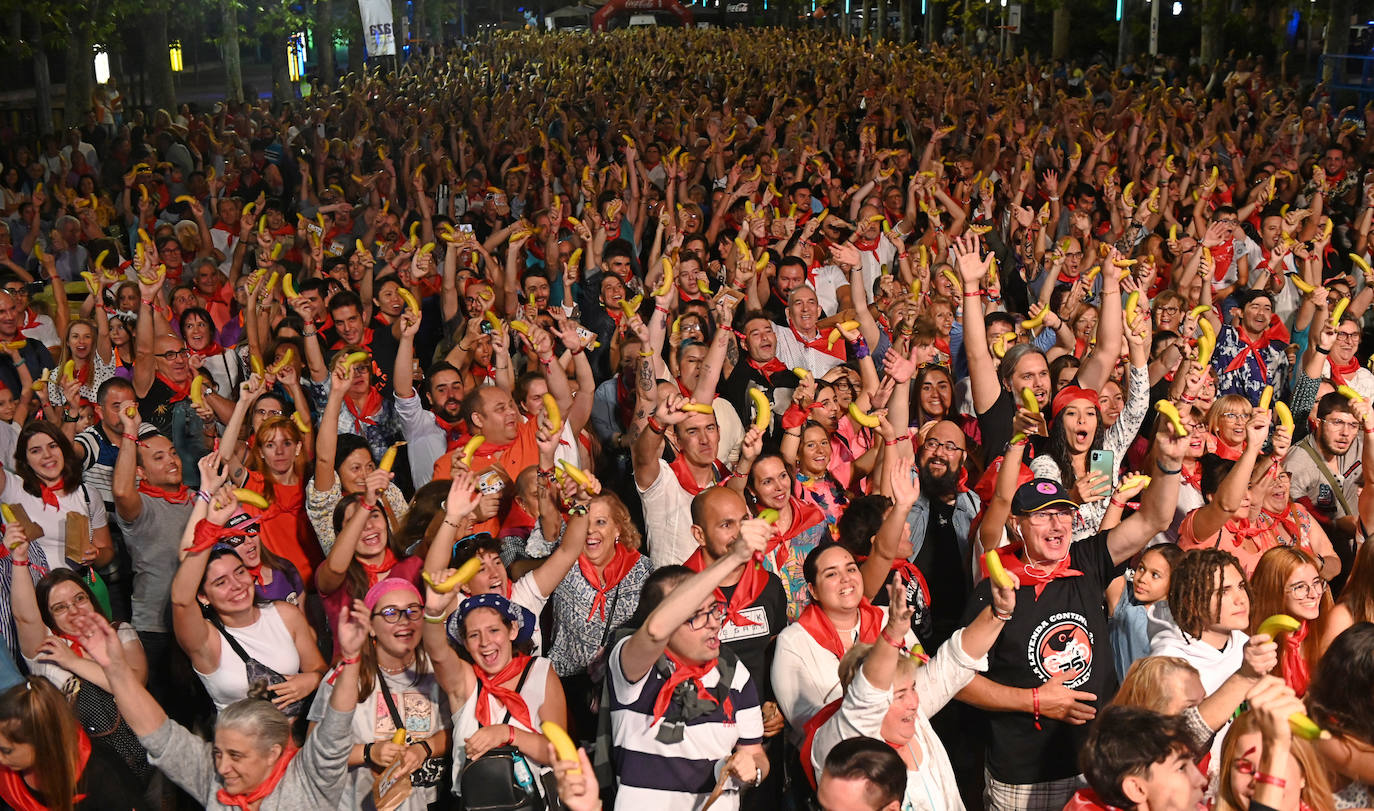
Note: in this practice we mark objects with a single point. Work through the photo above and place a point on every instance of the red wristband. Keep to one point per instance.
(659, 309)
(511, 740)
(346, 661)
(1269, 779)
(21, 563)
(655, 427)
(896, 643)
(889, 443)
(1120, 504)
(1035, 705)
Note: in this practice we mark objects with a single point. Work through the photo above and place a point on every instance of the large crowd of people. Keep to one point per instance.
(796, 421)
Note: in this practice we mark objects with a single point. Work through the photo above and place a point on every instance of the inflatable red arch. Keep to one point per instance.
(601, 17)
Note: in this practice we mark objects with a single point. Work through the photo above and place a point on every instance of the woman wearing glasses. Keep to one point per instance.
(48, 640)
(1286, 581)
(1226, 423)
(397, 690)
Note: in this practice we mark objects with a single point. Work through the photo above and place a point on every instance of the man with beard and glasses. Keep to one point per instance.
(939, 524)
(430, 433)
(1326, 472)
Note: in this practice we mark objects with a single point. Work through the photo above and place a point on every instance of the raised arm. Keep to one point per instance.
(982, 369)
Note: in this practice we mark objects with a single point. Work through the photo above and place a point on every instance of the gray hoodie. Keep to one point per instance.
(315, 778)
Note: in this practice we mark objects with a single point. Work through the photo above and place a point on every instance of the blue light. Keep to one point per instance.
(1119, 4)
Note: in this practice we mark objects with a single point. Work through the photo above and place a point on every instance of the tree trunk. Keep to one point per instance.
(282, 91)
(882, 20)
(157, 62)
(357, 45)
(233, 65)
(1337, 42)
(417, 32)
(1124, 48)
(80, 77)
(1209, 49)
(324, 41)
(904, 9)
(42, 82)
(1060, 42)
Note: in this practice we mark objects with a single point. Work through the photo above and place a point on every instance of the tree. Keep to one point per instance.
(1337, 42)
(324, 40)
(229, 50)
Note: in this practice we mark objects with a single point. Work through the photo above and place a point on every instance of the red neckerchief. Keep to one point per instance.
(1192, 475)
(620, 565)
(1285, 519)
(517, 520)
(489, 449)
(454, 432)
(820, 343)
(805, 515)
(376, 570)
(76, 646)
(179, 392)
(683, 390)
(868, 246)
(1066, 278)
(181, 495)
(208, 352)
(1339, 373)
(482, 372)
(747, 590)
(1221, 259)
(511, 700)
(372, 406)
(367, 340)
(768, 368)
(1085, 799)
(624, 402)
(16, 793)
(1292, 663)
(1242, 530)
(244, 802)
(1274, 332)
(30, 320)
(682, 671)
(1011, 561)
(51, 494)
(821, 629)
(719, 474)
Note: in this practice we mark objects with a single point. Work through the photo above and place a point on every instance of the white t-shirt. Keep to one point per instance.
(667, 518)
(53, 520)
(827, 284)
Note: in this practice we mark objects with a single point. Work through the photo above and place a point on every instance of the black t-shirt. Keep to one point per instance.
(735, 389)
(947, 574)
(920, 601)
(753, 644)
(107, 784)
(997, 427)
(1064, 631)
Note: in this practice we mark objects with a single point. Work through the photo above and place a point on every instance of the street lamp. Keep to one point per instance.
(175, 49)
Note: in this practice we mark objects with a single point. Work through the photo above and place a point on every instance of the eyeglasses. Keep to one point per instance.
(704, 617)
(79, 599)
(933, 445)
(1169, 310)
(1341, 425)
(1348, 337)
(1306, 591)
(1048, 517)
(1235, 416)
(175, 353)
(269, 412)
(392, 615)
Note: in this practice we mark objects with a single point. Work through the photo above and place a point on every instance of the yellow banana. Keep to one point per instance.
(1278, 624)
(1338, 311)
(470, 449)
(409, 298)
(520, 326)
(1133, 480)
(563, 745)
(465, 573)
(1132, 301)
(1305, 727)
(1301, 283)
(763, 411)
(288, 287)
(578, 475)
(198, 390)
(1349, 393)
(551, 411)
(1170, 413)
(667, 283)
(631, 307)
(862, 417)
(1284, 414)
(246, 496)
(836, 334)
(697, 408)
(997, 573)
(353, 359)
(302, 424)
(1266, 397)
(389, 457)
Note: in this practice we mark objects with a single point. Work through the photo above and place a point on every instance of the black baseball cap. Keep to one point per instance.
(1040, 494)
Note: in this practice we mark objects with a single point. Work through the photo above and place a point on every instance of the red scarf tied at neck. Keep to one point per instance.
(15, 792)
(181, 495)
(51, 494)
(747, 590)
(1028, 573)
(1242, 530)
(245, 802)
(623, 561)
(511, 700)
(1341, 374)
(371, 408)
(719, 473)
(1292, 663)
(376, 570)
(818, 624)
(683, 672)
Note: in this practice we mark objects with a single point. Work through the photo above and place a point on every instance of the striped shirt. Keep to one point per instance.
(677, 776)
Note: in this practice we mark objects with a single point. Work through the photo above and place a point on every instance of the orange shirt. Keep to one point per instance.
(509, 461)
(287, 532)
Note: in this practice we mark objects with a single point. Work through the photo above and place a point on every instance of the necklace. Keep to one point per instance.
(403, 668)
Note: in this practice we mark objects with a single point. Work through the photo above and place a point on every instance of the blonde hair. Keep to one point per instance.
(620, 514)
(853, 659)
(1146, 681)
(1316, 790)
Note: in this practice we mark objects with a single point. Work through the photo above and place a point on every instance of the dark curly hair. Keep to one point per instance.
(1195, 585)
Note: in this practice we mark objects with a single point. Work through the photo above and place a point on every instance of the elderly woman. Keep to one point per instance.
(891, 697)
(252, 763)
